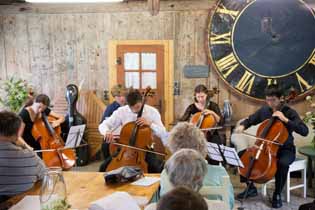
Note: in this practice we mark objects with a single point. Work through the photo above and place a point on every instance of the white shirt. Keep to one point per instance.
(123, 115)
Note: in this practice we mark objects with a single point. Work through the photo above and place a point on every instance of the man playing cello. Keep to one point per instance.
(286, 153)
(128, 113)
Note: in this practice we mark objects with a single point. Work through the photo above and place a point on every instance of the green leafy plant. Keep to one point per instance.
(58, 204)
(13, 93)
(310, 115)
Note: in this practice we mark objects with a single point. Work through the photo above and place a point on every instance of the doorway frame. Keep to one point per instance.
(168, 71)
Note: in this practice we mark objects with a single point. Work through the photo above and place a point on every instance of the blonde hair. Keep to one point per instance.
(118, 90)
(187, 135)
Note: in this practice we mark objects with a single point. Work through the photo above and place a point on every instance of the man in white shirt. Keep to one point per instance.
(128, 113)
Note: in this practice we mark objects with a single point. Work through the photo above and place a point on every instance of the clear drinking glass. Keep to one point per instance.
(53, 191)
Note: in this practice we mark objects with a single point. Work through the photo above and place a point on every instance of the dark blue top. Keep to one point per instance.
(294, 124)
(109, 110)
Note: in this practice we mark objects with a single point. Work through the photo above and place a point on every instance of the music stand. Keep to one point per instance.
(75, 136)
(224, 154)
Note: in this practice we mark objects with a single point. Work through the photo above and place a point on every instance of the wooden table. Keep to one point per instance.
(86, 187)
(309, 151)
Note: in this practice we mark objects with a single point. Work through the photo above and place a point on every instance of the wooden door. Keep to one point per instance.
(140, 66)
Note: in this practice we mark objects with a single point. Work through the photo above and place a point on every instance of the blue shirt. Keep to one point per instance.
(109, 110)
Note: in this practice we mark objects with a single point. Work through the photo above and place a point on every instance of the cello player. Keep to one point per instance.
(200, 97)
(33, 111)
(118, 92)
(286, 153)
(128, 113)
(201, 94)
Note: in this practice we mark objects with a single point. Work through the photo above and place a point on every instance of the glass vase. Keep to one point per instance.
(53, 191)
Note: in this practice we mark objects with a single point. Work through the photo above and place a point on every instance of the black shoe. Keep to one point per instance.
(252, 192)
(276, 201)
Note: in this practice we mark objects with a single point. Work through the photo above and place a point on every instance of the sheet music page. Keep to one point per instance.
(213, 151)
(114, 202)
(146, 181)
(75, 134)
(231, 156)
(28, 202)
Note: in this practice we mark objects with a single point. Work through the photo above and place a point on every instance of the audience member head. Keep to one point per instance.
(182, 198)
(187, 135)
(186, 167)
(9, 124)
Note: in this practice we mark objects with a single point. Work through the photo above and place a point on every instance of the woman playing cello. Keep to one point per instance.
(201, 94)
(286, 153)
(32, 112)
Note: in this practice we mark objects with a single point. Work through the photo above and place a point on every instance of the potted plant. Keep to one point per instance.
(14, 93)
(310, 115)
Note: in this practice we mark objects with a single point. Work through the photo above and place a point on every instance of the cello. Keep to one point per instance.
(260, 161)
(137, 139)
(200, 119)
(52, 146)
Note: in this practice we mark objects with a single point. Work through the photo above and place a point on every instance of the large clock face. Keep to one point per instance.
(253, 43)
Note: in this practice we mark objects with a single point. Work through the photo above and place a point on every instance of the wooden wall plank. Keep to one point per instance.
(9, 28)
(40, 53)
(22, 47)
(54, 45)
(3, 69)
(81, 51)
(127, 7)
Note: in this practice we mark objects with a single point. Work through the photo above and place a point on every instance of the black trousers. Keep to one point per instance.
(105, 150)
(286, 156)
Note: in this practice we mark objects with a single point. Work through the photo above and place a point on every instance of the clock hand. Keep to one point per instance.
(260, 49)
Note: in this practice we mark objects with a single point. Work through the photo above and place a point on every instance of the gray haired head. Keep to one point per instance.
(186, 167)
(187, 135)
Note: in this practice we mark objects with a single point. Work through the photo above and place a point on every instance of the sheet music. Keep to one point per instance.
(114, 202)
(28, 202)
(229, 153)
(213, 151)
(146, 181)
(75, 136)
(231, 156)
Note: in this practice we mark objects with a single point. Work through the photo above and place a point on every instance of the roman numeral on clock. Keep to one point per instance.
(221, 38)
(232, 13)
(246, 82)
(227, 65)
(303, 83)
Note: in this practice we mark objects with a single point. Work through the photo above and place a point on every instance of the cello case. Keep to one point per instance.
(73, 117)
